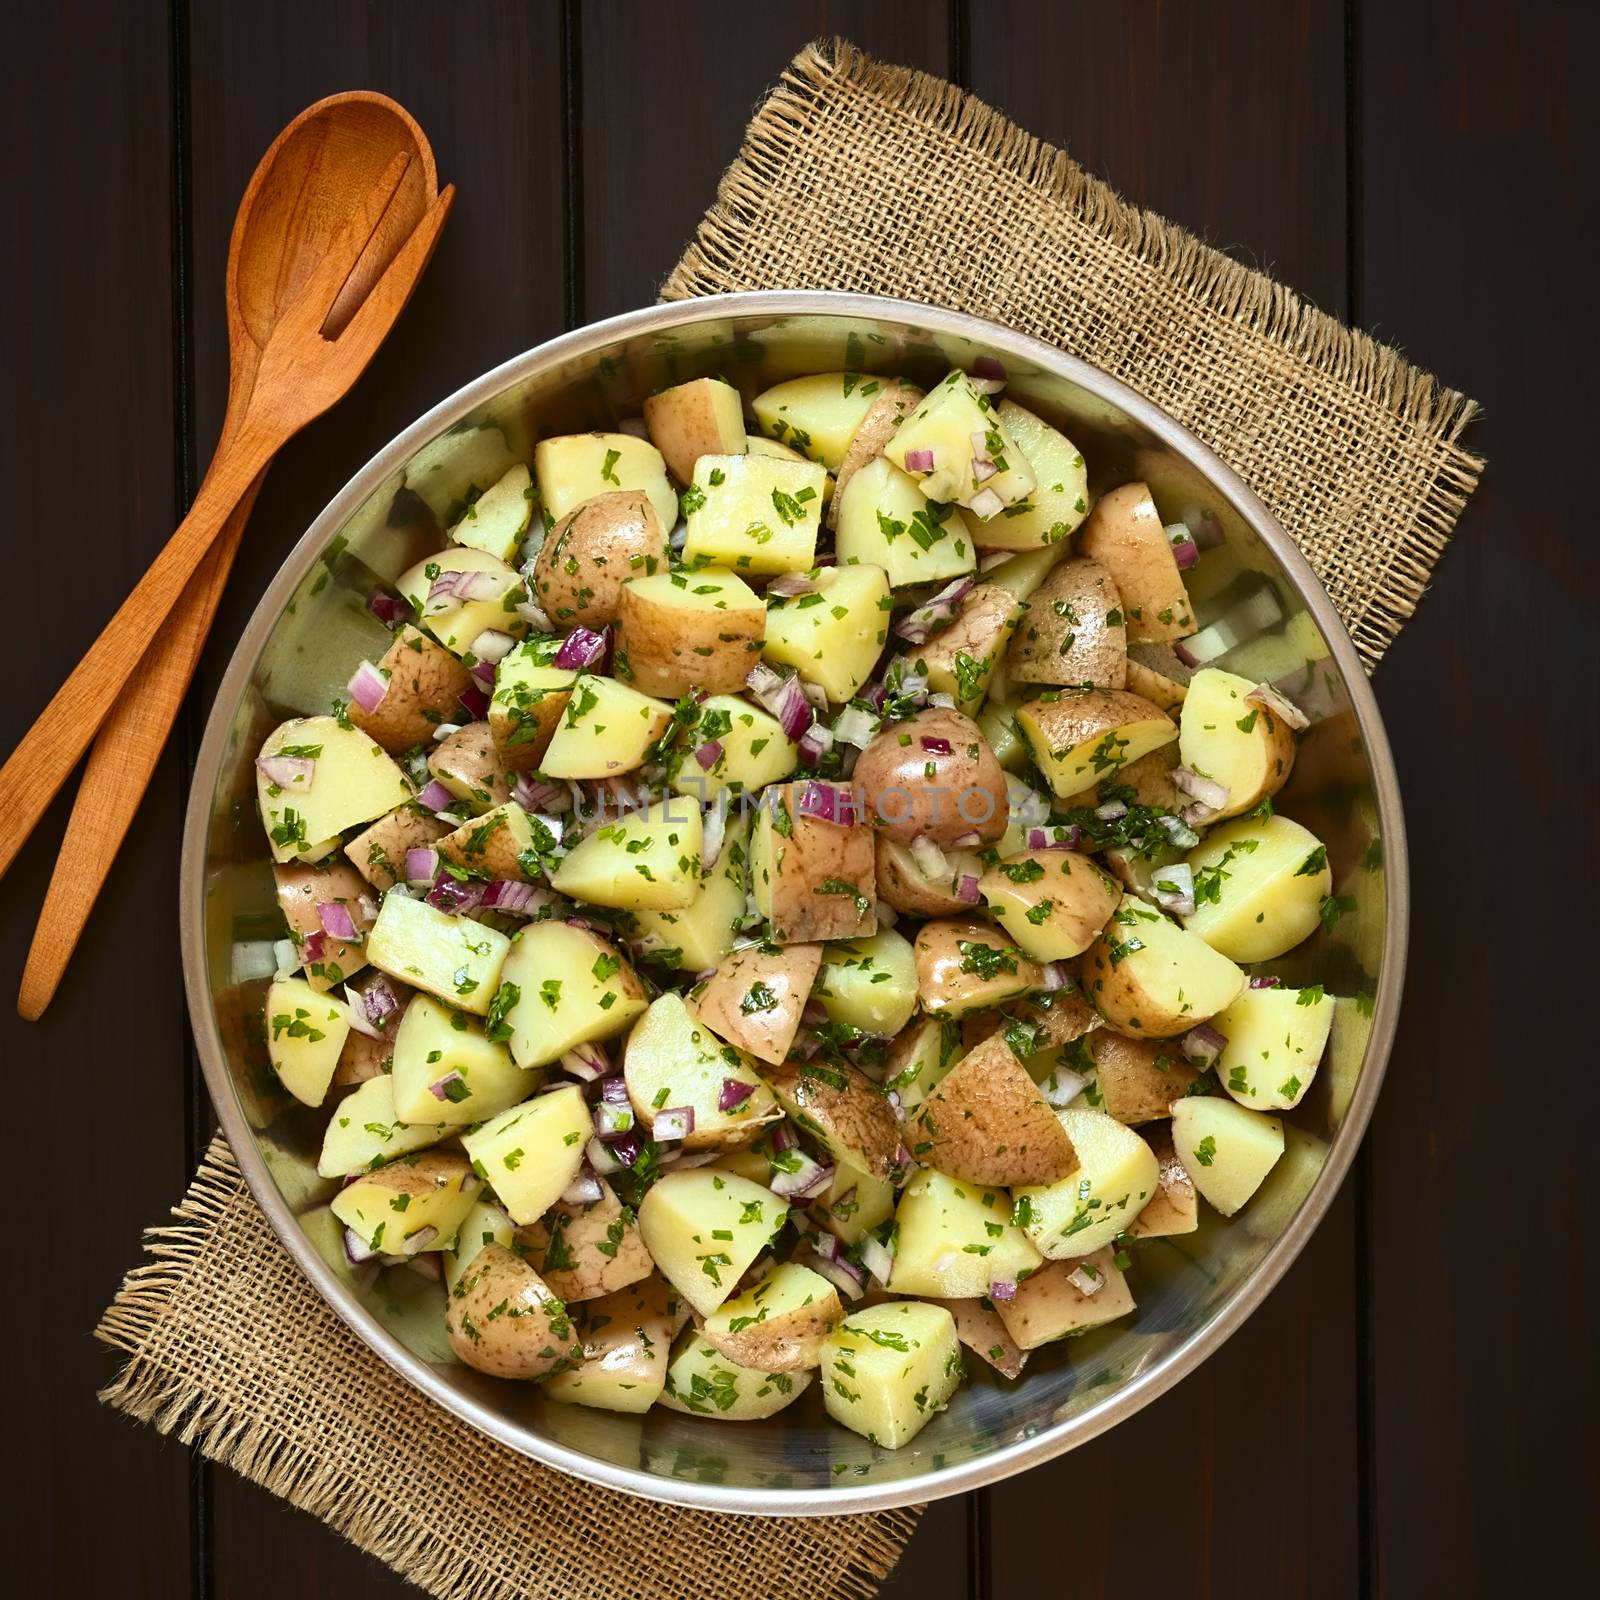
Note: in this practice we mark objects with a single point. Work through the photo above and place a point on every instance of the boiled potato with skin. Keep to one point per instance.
(378, 853)
(497, 520)
(1227, 1149)
(1056, 1018)
(627, 1337)
(779, 1324)
(586, 1249)
(1124, 533)
(1116, 1175)
(681, 631)
(1073, 632)
(1050, 1305)
(305, 1033)
(1275, 1042)
(341, 778)
(503, 1320)
(731, 747)
(754, 514)
(869, 984)
(700, 934)
(843, 1109)
(919, 1057)
(933, 776)
(301, 888)
(952, 1239)
(456, 621)
(1138, 1079)
(1082, 737)
(649, 857)
(424, 688)
(468, 765)
(446, 1069)
(672, 1062)
(1174, 1208)
(591, 552)
(986, 1122)
(1021, 574)
(812, 879)
(832, 634)
(755, 996)
(1156, 672)
(606, 729)
(452, 957)
(483, 1225)
(503, 843)
(704, 417)
(853, 1204)
(531, 1152)
(975, 461)
(1227, 737)
(563, 986)
(886, 520)
(888, 1370)
(578, 466)
(980, 1329)
(903, 885)
(703, 1229)
(1259, 887)
(704, 1382)
(891, 404)
(414, 1204)
(1059, 499)
(758, 444)
(969, 966)
(364, 1131)
(817, 415)
(530, 695)
(960, 660)
(1151, 979)
(1052, 902)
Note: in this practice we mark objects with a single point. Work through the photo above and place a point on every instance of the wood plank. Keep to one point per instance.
(1228, 118)
(488, 95)
(87, 446)
(1479, 143)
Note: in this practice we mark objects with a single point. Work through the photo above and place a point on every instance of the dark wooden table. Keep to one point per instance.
(1413, 1410)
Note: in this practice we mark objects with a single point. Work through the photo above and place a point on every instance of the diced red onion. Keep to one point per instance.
(1203, 1043)
(455, 895)
(435, 797)
(426, 1265)
(356, 1011)
(614, 1089)
(967, 891)
(1207, 791)
(1184, 550)
(808, 1179)
(313, 945)
(356, 1249)
(1185, 654)
(334, 915)
(483, 675)
(713, 829)
(1179, 831)
(534, 616)
(443, 730)
(367, 687)
(1086, 1279)
(586, 1063)
(940, 747)
(475, 703)
(537, 794)
(1003, 1290)
(584, 1190)
(1056, 975)
(422, 864)
(1062, 1087)
(1265, 981)
(418, 1241)
(734, 1094)
(815, 743)
(828, 804)
(1204, 527)
(783, 1137)
(288, 771)
(676, 1122)
(853, 726)
(708, 754)
(388, 610)
(930, 859)
(844, 1275)
(583, 647)
(600, 1156)
(985, 504)
(936, 613)
(381, 1002)
(988, 367)
(788, 584)
(285, 957)
(611, 1121)
(919, 460)
(441, 1090)
(762, 680)
(877, 1258)
(514, 898)
(492, 645)
(1179, 899)
(1269, 699)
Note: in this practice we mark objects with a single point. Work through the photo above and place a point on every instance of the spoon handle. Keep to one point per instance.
(120, 767)
(50, 749)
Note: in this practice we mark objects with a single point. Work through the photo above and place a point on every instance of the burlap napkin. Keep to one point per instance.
(861, 176)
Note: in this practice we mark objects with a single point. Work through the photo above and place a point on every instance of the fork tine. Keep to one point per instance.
(314, 299)
(387, 298)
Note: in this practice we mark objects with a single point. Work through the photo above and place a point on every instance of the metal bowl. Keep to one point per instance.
(312, 627)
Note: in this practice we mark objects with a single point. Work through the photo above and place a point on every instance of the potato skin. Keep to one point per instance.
(986, 1122)
(301, 889)
(502, 1319)
(894, 402)
(584, 560)
(1073, 631)
(426, 683)
(585, 1251)
(767, 1029)
(668, 650)
(915, 792)
(468, 761)
(1124, 533)
(985, 620)
(950, 979)
(902, 885)
(810, 855)
(1139, 1078)
(845, 1106)
(378, 853)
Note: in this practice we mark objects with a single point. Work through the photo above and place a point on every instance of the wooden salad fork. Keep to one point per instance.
(310, 298)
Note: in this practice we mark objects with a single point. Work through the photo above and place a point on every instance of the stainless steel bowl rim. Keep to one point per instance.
(1006, 1460)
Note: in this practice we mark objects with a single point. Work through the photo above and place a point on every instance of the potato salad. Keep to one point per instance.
(784, 910)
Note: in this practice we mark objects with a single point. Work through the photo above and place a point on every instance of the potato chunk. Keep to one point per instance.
(1226, 1149)
(869, 984)
(496, 521)
(533, 1151)
(627, 1337)
(1124, 533)
(364, 1131)
(779, 1324)
(591, 552)
(1138, 1079)
(1073, 632)
(305, 1032)
(648, 858)
(704, 1229)
(1259, 887)
(953, 1240)
(884, 519)
(1083, 737)
(1174, 1207)
(424, 685)
(585, 1249)
(1226, 736)
(888, 1370)
(818, 415)
(563, 986)
(1052, 902)
(970, 966)
(756, 514)
(1065, 1298)
(315, 778)
(578, 466)
(682, 631)
(1059, 499)
(493, 591)
(414, 1204)
(832, 634)
(956, 447)
(452, 957)
(502, 1319)
(1115, 1177)
(702, 1381)
(447, 1070)
(755, 996)
(961, 660)
(704, 417)
(1151, 979)
(848, 1113)
(525, 709)
(813, 879)
(605, 729)
(1275, 1042)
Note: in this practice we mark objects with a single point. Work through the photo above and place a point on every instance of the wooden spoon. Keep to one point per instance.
(318, 169)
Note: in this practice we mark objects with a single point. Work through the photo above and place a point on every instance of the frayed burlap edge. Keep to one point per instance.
(1212, 281)
(224, 1428)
